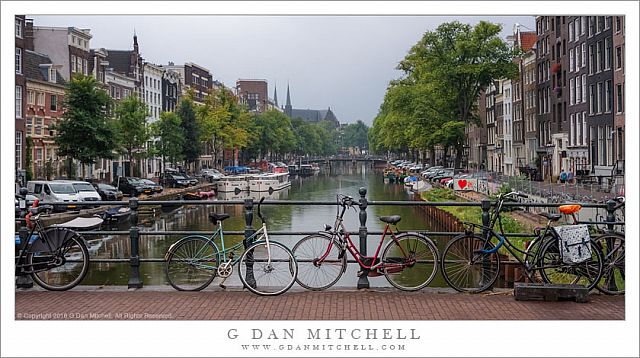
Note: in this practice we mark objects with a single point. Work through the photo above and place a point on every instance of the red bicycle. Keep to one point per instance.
(408, 261)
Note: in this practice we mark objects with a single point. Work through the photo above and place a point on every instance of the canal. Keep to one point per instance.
(344, 178)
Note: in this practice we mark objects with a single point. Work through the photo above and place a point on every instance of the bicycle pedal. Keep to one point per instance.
(223, 286)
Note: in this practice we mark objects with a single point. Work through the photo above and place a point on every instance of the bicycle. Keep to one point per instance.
(408, 261)
(470, 261)
(267, 267)
(56, 258)
(611, 242)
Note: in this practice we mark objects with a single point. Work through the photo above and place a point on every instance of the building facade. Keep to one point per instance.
(253, 94)
(546, 84)
(531, 133)
(67, 46)
(171, 89)
(195, 78)
(507, 107)
(618, 92)
(153, 76)
(20, 93)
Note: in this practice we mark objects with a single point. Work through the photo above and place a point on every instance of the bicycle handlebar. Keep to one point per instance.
(259, 212)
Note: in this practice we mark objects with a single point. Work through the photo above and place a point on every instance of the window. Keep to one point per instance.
(571, 31)
(73, 63)
(599, 97)
(584, 54)
(609, 145)
(592, 99)
(599, 56)
(18, 150)
(571, 61)
(40, 99)
(84, 66)
(572, 131)
(619, 107)
(39, 155)
(31, 97)
(578, 89)
(608, 96)
(19, 28)
(54, 102)
(592, 59)
(39, 122)
(576, 25)
(607, 24)
(608, 53)
(29, 126)
(18, 60)
(584, 88)
(592, 25)
(584, 128)
(601, 23)
(618, 57)
(18, 101)
(53, 74)
(572, 91)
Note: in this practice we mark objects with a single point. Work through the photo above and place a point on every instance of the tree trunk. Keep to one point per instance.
(459, 151)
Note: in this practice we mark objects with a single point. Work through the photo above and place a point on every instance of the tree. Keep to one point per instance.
(131, 114)
(170, 138)
(356, 135)
(192, 148)
(85, 132)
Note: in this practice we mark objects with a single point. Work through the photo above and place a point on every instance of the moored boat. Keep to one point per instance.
(269, 182)
(234, 183)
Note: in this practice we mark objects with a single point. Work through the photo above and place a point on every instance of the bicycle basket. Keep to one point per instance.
(574, 243)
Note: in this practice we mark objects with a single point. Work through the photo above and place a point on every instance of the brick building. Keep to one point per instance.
(253, 94)
(20, 92)
(618, 92)
(194, 77)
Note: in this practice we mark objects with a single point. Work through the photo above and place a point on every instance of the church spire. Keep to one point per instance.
(135, 41)
(275, 94)
(287, 108)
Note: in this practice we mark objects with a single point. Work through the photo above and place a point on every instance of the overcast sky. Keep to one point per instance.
(342, 62)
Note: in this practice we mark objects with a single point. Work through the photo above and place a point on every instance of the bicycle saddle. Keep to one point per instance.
(215, 217)
(570, 209)
(552, 217)
(390, 219)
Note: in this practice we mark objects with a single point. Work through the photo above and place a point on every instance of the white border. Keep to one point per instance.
(439, 338)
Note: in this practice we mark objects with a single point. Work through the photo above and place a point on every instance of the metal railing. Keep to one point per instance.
(134, 232)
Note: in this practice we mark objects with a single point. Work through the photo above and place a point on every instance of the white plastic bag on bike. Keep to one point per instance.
(574, 243)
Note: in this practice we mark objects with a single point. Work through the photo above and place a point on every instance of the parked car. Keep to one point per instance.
(211, 175)
(85, 190)
(131, 186)
(192, 180)
(174, 180)
(157, 188)
(107, 192)
(62, 195)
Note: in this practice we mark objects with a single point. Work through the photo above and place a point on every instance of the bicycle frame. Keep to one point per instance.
(23, 249)
(340, 233)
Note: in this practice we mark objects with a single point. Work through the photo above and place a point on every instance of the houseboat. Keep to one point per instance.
(234, 183)
(269, 182)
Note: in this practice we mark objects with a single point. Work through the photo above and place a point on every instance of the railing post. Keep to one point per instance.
(485, 205)
(23, 281)
(248, 232)
(134, 235)
(363, 280)
(611, 217)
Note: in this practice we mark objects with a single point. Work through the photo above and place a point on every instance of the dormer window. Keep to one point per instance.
(52, 75)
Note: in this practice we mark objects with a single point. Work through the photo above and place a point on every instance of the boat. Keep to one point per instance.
(293, 169)
(269, 182)
(115, 215)
(315, 168)
(305, 170)
(191, 196)
(81, 224)
(234, 183)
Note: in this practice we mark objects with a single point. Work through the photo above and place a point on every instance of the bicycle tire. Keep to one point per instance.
(554, 271)
(613, 275)
(319, 277)
(466, 270)
(191, 263)
(73, 254)
(268, 277)
(411, 262)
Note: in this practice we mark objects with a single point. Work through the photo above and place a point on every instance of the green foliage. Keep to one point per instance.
(438, 94)
(192, 147)
(171, 137)
(131, 114)
(356, 135)
(85, 132)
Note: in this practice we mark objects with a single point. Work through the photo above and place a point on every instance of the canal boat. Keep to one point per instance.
(234, 183)
(269, 182)
(305, 170)
(293, 169)
(115, 215)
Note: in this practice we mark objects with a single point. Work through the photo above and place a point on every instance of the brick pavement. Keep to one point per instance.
(379, 304)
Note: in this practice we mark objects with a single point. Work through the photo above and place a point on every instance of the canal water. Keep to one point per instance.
(345, 178)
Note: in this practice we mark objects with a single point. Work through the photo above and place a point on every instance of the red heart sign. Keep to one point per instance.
(462, 183)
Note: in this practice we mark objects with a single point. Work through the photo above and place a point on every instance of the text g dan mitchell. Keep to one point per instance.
(324, 333)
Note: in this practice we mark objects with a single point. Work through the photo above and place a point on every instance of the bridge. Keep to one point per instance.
(346, 158)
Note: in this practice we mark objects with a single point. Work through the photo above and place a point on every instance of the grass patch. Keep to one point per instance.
(474, 215)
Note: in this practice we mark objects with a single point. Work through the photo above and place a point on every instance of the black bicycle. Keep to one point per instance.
(470, 261)
(56, 258)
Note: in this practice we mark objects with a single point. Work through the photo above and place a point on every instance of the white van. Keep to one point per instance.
(54, 192)
(85, 190)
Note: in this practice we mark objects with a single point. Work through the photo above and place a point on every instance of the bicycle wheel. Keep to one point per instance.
(410, 263)
(64, 254)
(612, 281)
(554, 270)
(267, 270)
(314, 274)
(466, 268)
(191, 263)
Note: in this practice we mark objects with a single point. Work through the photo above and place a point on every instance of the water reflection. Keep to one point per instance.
(344, 178)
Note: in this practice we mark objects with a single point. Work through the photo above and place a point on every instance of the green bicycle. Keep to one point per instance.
(267, 267)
